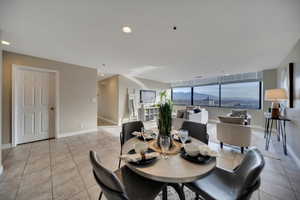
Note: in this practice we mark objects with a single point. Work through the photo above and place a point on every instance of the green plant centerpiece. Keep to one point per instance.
(165, 117)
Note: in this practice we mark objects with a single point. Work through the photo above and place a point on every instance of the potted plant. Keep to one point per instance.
(165, 119)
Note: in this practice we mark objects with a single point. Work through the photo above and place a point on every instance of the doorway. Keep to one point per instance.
(35, 100)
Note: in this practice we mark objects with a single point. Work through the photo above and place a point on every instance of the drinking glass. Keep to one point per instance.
(143, 134)
(164, 142)
(183, 134)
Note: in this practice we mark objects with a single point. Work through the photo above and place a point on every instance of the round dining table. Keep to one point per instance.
(173, 170)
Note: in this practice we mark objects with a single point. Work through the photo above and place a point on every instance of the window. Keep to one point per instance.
(207, 95)
(182, 96)
(241, 95)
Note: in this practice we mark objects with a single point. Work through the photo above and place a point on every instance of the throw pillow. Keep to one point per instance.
(231, 120)
(197, 110)
(239, 113)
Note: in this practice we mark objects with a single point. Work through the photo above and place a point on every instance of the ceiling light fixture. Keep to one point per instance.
(5, 42)
(126, 29)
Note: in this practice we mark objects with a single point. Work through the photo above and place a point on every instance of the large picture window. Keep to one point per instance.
(182, 95)
(207, 95)
(244, 95)
(241, 95)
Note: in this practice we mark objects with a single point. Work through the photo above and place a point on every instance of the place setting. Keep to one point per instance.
(145, 135)
(150, 148)
(140, 155)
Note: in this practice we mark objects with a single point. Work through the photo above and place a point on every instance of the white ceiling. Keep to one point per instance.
(212, 36)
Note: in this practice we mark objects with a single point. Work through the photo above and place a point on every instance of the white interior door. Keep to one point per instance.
(34, 105)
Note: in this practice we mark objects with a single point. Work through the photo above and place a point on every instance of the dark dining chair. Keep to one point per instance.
(127, 129)
(236, 185)
(196, 130)
(123, 184)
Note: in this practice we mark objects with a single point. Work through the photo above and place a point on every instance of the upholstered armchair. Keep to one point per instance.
(234, 132)
(241, 113)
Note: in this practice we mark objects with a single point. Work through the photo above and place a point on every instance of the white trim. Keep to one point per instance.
(293, 155)
(6, 146)
(1, 169)
(108, 120)
(77, 133)
(57, 98)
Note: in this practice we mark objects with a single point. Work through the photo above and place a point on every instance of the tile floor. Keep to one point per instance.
(60, 169)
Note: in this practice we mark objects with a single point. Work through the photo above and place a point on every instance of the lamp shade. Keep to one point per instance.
(278, 94)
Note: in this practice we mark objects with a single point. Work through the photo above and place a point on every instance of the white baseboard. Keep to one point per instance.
(1, 169)
(108, 120)
(293, 155)
(6, 146)
(61, 135)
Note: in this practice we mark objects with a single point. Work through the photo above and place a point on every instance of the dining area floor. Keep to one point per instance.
(60, 169)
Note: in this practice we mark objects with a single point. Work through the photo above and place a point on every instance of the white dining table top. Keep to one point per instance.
(175, 169)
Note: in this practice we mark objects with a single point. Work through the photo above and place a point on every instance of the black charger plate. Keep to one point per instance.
(195, 159)
(142, 162)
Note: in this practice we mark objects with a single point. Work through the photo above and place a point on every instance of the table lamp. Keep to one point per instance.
(275, 96)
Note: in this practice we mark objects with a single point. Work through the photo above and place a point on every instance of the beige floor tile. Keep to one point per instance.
(43, 192)
(255, 195)
(8, 189)
(298, 195)
(71, 171)
(63, 166)
(38, 158)
(265, 196)
(271, 177)
(88, 177)
(69, 189)
(65, 176)
(35, 179)
(37, 165)
(277, 191)
(81, 196)
(12, 173)
(57, 158)
(94, 192)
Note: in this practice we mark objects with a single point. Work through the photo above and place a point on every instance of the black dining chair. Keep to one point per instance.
(123, 184)
(127, 129)
(236, 185)
(196, 130)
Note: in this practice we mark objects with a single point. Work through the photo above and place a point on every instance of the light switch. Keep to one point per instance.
(94, 100)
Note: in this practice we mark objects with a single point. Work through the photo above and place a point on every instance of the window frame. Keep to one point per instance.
(216, 83)
(191, 100)
(220, 94)
(243, 81)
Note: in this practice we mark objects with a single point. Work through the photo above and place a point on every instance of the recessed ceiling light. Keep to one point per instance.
(126, 29)
(5, 42)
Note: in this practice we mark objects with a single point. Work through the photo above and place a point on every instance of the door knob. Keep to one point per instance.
(52, 108)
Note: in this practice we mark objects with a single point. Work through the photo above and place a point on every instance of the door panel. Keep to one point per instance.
(34, 98)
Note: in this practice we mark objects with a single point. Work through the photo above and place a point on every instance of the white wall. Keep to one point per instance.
(1, 167)
(126, 83)
(108, 92)
(78, 88)
(113, 95)
(293, 127)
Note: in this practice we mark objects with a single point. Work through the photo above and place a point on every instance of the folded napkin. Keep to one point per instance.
(136, 133)
(206, 151)
(147, 134)
(137, 157)
(175, 134)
